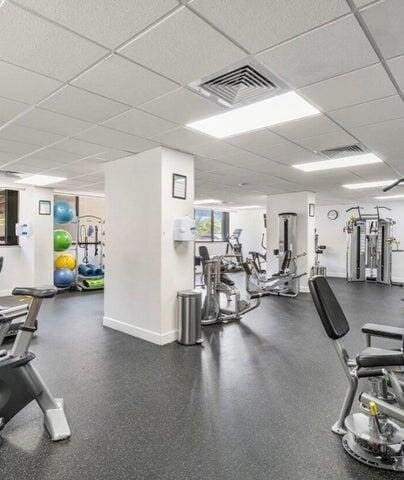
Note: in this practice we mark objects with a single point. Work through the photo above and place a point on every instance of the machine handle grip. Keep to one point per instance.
(394, 184)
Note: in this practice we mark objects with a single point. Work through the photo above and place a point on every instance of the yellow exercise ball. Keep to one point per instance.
(66, 260)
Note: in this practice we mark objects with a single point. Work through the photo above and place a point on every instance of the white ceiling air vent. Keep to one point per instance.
(236, 86)
(339, 152)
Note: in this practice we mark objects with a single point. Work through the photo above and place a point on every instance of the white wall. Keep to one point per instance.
(144, 266)
(252, 223)
(31, 262)
(332, 235)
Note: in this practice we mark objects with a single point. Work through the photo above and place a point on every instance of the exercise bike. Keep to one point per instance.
(372, 436)
(20, 383)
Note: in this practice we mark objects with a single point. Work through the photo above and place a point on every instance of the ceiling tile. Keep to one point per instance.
(385, 21)
(349, 89)
(182, 106)
(20, 167)
(140, 123)
(183, 47)
(114, 139)
(305, 127)
(362, 3)
(377, 171)
(246, 160)
(257, 142)
(16, 147)
(78, 146)
(216, 149)
(333, 49)
(367, 113)
(53, 122)
(78, 103)
(208, 165)
(108, 23)
(17, 133)
(289, 153)
(124, 81)
(51, 155)
(111, 154)
(10, 108)
(328, 140)
(20, 84)
(382, 137)
(260, 24)
(6, 157)
(182, 139)
(32, 42)
(397, 68)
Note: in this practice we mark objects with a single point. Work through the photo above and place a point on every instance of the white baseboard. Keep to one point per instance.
(5, 293)
(144, 334)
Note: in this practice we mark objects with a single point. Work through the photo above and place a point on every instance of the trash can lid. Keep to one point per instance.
(189, 293)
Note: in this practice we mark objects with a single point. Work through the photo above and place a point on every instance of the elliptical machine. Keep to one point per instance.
(20, 383)
(234, 252)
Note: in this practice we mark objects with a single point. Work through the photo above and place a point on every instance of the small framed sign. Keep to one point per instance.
(45, 207)
(311, 209)
(179, 186)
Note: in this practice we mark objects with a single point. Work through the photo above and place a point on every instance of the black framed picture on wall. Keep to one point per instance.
(179, 186)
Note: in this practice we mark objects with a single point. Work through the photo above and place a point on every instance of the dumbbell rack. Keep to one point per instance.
(79, 278)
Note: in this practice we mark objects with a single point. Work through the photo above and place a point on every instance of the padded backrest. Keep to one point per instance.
(204, 253)
(328, 308)
(286, 260)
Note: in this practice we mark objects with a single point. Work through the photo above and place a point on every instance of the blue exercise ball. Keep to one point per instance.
(63, 277)
(63, 212)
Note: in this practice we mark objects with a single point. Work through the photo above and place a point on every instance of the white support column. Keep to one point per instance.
(144, 266)
(297, 203)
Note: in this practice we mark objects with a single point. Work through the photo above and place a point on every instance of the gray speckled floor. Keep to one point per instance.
(255, 402)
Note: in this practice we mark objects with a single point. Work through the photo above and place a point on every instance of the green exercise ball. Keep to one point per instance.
(62, 240)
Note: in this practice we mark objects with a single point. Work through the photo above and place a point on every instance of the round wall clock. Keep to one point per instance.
(332, 214)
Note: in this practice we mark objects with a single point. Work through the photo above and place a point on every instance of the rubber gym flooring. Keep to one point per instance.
(255, 402)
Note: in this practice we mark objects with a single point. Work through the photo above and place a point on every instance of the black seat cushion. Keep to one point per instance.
(379, 357)
(330, 311)
(36, 292)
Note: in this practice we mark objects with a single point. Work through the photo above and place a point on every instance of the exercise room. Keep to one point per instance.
(201, 239)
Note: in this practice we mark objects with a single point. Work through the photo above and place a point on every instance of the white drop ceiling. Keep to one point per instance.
(86, 82)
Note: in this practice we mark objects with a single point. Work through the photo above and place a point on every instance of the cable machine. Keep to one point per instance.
(370, 243)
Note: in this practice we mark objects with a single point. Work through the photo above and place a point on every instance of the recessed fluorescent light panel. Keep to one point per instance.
(379, 183)
(208, 201)
(40, 180)
(272, 111)
(351, 161)
(389, 197)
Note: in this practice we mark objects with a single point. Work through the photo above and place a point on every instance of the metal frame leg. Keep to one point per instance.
(339, 425)
(53, 408)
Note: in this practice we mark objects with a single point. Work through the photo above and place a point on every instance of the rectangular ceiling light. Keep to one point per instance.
(389, 197)
(272, 111)
(40, 180)
(208, 201)
(351, 161)
(378, 183)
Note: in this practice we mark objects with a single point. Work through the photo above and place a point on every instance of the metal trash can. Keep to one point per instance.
(189, 317)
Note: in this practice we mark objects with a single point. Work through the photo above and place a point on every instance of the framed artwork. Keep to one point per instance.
(45, 207)
(179, 186)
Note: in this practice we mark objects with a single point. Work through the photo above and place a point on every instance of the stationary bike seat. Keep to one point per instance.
(36, 292)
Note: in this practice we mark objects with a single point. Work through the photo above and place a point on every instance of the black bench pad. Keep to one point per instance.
(379, 357)
(36, 292)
